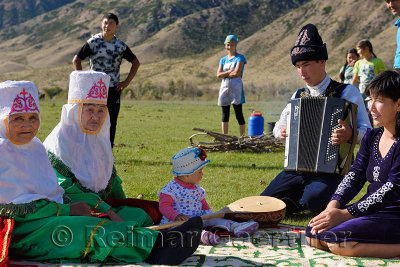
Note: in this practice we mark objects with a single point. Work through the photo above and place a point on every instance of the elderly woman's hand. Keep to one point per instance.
(113, 216)
(79, 209)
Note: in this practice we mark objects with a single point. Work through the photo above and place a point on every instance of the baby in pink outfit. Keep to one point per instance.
(183, 198)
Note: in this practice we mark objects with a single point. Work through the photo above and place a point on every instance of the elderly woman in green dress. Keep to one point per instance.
(80, 151)
(47, 229)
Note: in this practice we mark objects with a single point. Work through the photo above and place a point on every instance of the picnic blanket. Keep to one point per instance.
(283, 245)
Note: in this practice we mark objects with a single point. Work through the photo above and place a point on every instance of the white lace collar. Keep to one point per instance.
(320, 88)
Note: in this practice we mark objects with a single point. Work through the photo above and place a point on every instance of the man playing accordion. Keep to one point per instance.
(312, 191)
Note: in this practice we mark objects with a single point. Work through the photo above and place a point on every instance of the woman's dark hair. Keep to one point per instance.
(350, 51)
(111, 16)
(366, 43)
(386, 84)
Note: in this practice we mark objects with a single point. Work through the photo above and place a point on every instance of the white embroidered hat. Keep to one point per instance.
(188, 160)
(18, 97)
(88, 87)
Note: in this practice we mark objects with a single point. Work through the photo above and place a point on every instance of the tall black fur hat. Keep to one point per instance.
(309, 45)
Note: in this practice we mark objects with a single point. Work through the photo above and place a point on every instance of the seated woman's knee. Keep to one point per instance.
(313, 242)
(344, 249)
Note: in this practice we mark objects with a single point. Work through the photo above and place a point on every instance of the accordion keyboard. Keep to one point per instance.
(332, 150)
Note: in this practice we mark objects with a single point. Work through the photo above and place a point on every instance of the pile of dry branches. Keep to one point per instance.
(225, 142)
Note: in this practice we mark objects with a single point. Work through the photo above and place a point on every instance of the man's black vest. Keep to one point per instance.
(334, 89)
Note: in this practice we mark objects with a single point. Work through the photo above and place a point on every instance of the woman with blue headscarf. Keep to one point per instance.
(230, 70)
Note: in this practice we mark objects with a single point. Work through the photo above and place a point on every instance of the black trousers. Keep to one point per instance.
(238, 113)
(302, 191)
(113, 105)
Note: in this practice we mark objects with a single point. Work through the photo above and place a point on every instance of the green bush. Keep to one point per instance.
(52, 92)
(327, 10)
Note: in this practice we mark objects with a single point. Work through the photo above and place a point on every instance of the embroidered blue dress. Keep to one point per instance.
(377, 213)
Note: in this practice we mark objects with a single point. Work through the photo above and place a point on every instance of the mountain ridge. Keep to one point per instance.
(188, 41)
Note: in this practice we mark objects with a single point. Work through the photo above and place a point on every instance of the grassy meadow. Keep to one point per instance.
(150, 133)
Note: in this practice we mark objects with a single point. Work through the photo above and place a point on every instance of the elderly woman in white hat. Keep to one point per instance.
(80, 151)
(41, 226)
(30, 196)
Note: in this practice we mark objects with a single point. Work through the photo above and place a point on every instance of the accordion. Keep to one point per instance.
(311, 122)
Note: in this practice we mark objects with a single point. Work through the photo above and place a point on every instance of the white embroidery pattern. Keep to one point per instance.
(346, 183)
(375, 197)
(376, 153)
(376, 173)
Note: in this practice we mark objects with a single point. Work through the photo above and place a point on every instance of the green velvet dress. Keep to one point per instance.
(44, 231)
(77, 192)
(50, 234)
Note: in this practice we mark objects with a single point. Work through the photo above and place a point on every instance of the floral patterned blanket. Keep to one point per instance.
(283, 245)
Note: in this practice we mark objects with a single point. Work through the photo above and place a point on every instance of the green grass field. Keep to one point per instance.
(150, 133)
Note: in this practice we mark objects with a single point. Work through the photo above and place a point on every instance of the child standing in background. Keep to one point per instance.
(183, 198)
(346, 71)
(367, 67)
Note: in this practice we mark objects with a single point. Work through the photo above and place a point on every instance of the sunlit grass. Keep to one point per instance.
(150, 133)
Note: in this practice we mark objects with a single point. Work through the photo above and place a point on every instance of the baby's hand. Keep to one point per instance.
(182, 217)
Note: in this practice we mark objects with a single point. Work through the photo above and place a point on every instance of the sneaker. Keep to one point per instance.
(244, 228)
(209, 238)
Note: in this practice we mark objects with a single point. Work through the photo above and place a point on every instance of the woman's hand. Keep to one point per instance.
(329, 218)
(113, 216)
(79, 209)
(237, 71)
(353, 62)
(181, 217)
(221, 74)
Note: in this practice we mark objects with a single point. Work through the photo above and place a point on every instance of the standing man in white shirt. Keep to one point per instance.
(309, 191)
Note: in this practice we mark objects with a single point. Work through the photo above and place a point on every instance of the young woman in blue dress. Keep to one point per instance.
(230, 70)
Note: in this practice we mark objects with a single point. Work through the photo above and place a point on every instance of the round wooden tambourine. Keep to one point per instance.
(267, 211)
